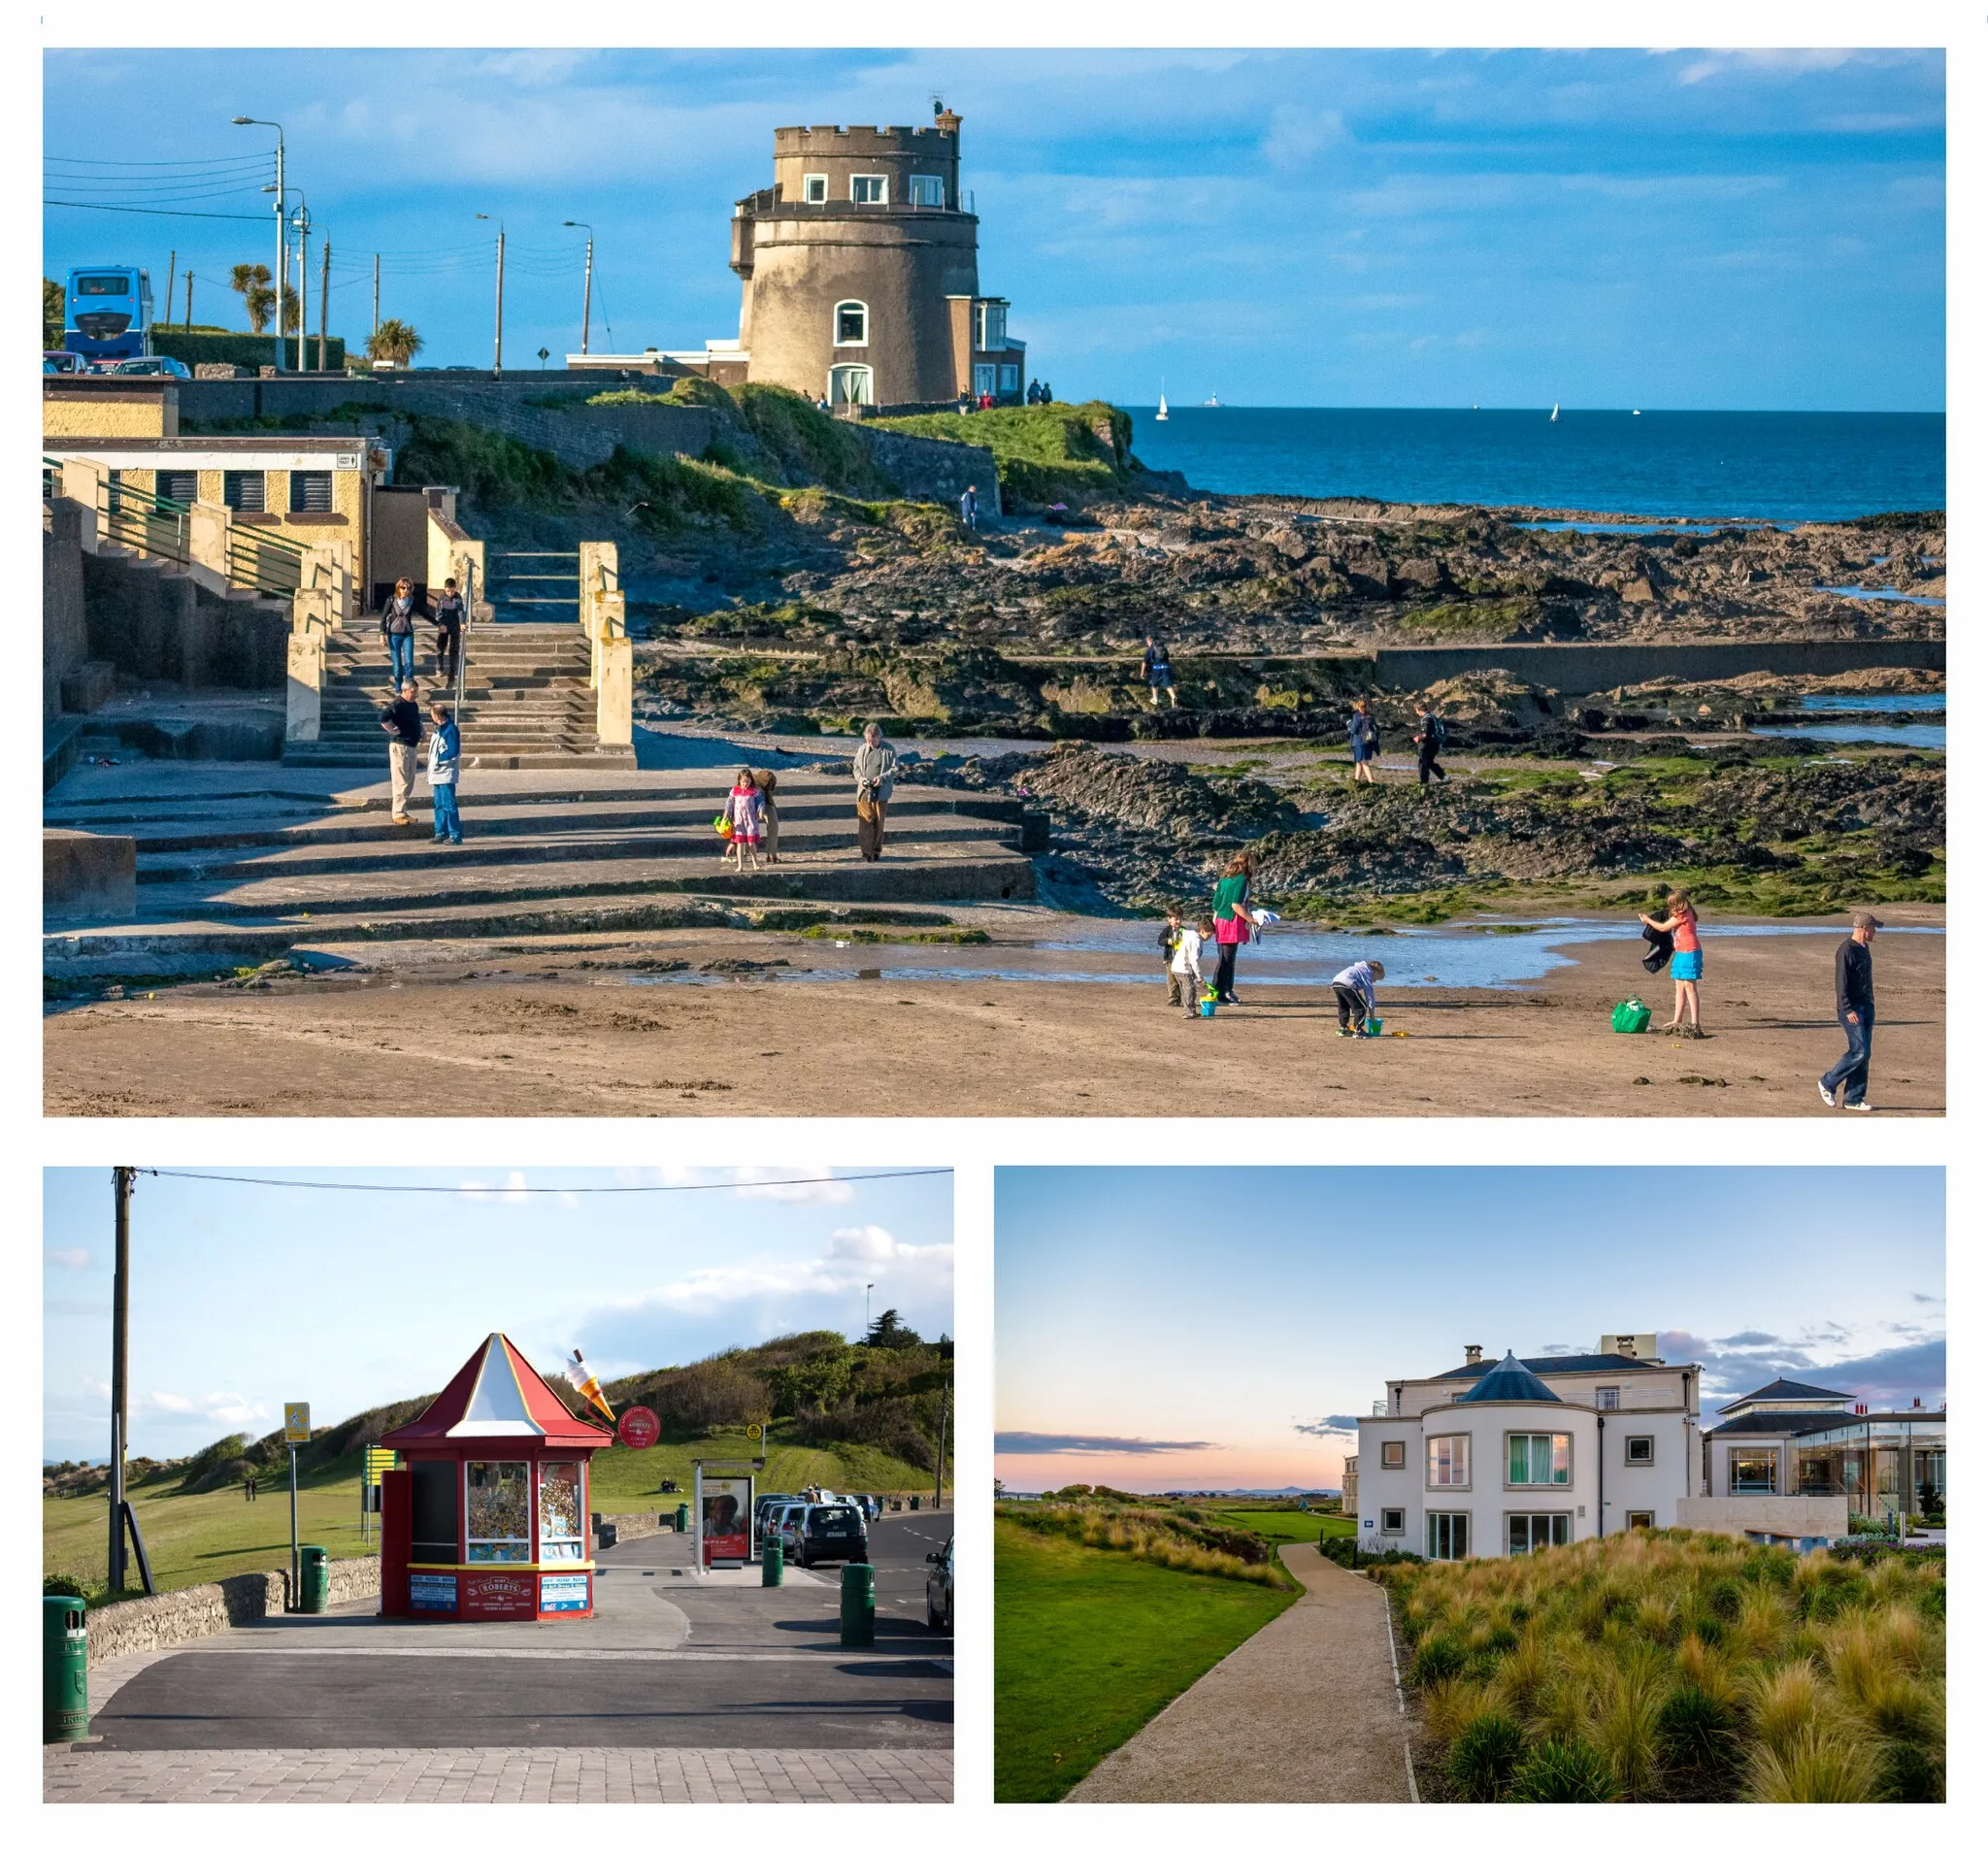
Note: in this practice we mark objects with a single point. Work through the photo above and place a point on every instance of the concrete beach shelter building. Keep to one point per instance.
(859, 276)
(486, 1518)
(1504, 1458)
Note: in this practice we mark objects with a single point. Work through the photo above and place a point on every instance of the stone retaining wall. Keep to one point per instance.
(1781, 1518)
(155, 1621)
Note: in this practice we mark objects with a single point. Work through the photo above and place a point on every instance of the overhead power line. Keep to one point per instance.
(211, 160)
(158, 211)
(546, 1189)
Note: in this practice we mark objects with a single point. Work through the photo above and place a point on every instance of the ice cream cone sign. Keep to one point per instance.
(583, 1380)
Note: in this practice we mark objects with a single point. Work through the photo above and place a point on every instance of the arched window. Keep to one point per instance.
(852, 324)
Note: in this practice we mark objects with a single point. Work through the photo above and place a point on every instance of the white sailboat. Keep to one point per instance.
(1160, 416)
(1555, 418)
(1212, 403)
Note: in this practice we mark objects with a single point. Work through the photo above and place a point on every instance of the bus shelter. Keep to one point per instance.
(486, 1516)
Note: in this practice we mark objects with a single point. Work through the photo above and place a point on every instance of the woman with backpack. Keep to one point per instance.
(1363, 734)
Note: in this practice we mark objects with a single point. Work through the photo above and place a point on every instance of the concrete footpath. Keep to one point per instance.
(1307, 1709)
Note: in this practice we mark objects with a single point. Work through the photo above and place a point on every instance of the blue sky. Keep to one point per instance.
(1680, 229)
(1187, 1328)
(245, 1298)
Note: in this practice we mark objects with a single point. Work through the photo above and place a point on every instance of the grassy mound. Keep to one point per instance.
(1677, 1666)
(1178, 1537)
(1043, 453)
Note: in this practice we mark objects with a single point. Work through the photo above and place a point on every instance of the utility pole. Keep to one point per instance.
(302, 285)
(172, 271)
(587, 301)
(375, 292)
(499, 366)
(323, 302)
(485, 218)
(939, 1472)
(120, 1306)
(187, 326)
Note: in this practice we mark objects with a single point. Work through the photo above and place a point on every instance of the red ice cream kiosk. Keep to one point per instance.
(486, 1518)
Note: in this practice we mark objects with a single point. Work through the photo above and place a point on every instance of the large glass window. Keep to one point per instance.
(1540, 1459)
(928, 190)
(1753, 1471)
(991, 325)
(868, 190)
(562, 1512)
(1449, 1535)
(852, 386)
(1528, 1531)
(103, 285)
(499, 1511)
(1450, 1459)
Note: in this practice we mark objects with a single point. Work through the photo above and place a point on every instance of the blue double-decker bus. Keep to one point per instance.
(108, 313)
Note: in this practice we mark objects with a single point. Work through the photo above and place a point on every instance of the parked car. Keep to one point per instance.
(769, 1521)
(812, 1534)
(60, 360)
(938, 1590)
(159, 363)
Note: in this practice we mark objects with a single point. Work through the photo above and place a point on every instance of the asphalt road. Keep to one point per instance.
(672, 1661)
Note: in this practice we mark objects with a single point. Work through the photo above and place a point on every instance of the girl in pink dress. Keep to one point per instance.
(742, 805)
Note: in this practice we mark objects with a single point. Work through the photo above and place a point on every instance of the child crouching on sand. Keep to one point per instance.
(1185, 969)
(744, 809)
(1353, 990)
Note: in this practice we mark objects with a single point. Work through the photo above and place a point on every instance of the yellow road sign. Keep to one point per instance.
(755, 1432)
(296, 1422)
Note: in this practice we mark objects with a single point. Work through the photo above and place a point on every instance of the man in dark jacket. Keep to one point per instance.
(401, 721)
(1857, 1011)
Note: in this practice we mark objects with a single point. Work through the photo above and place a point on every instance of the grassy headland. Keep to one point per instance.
(1044, 453)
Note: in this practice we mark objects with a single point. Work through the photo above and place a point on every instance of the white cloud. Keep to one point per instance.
(74, 1258)
(167, 1402)
(854, 1258)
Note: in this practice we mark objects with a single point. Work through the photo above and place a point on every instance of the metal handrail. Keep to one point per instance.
(256, 561)
(151, 524)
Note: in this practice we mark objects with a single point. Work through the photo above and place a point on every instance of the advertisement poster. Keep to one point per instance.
(562, 1594)
(497, 1597)
(431, 1593)
(727, 1520)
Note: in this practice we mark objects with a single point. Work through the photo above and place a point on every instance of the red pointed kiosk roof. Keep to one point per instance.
(497, 1395)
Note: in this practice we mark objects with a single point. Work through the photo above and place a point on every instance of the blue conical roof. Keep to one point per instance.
(1509, 1380)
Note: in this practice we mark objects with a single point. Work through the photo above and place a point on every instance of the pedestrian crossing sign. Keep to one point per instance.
(297, 1423)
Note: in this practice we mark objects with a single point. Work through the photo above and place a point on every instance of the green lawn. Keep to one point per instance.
(1089, 1645)
(1288, 1526)
(198, 1537)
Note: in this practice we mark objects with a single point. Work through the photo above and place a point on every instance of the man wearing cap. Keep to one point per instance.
(1856, 1010)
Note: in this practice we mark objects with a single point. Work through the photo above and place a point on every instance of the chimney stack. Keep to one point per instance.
(1474, 1353)
(1625, 1346)
(945, 118)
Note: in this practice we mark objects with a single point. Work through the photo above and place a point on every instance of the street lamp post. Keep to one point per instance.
(587, 304)
(283, 243)
(302, 285)
(498, 367)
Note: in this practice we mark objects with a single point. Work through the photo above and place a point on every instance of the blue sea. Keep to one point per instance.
(1718, 466)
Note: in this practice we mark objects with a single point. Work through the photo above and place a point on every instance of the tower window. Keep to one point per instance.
(928, 190)
(852, 324)
(814, 188)
(869, 190)
(991, 326)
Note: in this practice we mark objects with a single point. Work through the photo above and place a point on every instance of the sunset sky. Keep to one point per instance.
(1187, 1329)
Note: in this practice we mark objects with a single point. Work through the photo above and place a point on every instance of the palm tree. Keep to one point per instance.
(251, 282)
(394, 341)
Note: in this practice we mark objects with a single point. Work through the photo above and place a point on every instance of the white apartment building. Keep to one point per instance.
(1510, 1457)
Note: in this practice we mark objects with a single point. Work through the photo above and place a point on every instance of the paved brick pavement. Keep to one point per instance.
(506, 1775)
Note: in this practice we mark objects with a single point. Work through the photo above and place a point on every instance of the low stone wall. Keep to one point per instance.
(933, 469)
(1577, 668)
(155, 1621)
(1780, 1518)
(157, 625)
(65, 637)
(86, 877)
(632, 1524)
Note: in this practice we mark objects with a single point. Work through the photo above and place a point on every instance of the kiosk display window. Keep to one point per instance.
(499, 1511)
(562, 1537)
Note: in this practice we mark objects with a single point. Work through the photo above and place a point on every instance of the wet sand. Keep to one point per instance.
(542, 1033)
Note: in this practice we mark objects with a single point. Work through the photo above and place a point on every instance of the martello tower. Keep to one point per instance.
(860, 272)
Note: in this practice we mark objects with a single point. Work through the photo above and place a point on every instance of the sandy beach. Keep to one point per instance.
(566, 1032)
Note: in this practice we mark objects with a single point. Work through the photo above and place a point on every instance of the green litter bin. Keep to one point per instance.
(859, 1604)
(914, 1505)
(65, 1670)
(682, 1518)
(313, 1592)
(773, 1563)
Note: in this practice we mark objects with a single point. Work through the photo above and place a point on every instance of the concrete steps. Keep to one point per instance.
(525, 700)
(624, 855)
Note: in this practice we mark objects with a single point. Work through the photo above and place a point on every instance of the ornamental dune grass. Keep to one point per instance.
(1676, 1665)
(1155, 1535)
